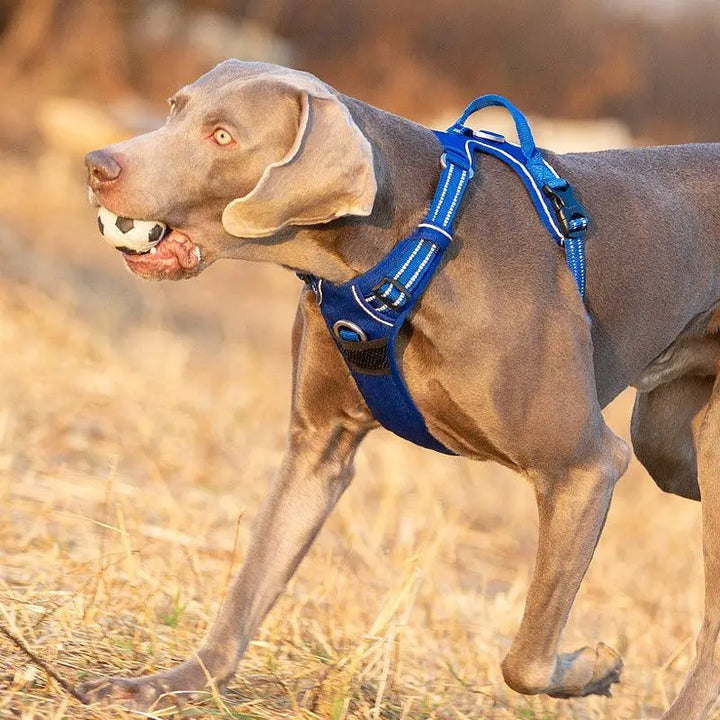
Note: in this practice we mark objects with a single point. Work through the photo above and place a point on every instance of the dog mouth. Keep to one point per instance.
(150, 248)
(174, 255)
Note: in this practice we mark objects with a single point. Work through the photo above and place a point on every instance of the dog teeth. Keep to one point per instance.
(153, 250)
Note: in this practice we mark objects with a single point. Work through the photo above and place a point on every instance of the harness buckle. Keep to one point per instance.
(403, 293)
(570, 213)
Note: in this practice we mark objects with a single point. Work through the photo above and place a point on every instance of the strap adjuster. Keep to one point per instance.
(570, 213)
(403, 293)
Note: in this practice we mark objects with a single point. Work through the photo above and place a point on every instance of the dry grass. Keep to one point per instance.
(139, 427)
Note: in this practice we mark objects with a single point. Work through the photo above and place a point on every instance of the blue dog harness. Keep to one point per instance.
(365, 314)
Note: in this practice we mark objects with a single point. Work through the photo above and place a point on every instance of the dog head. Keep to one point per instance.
(248, 150)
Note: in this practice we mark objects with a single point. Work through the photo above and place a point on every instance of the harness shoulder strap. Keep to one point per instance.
(560, 211)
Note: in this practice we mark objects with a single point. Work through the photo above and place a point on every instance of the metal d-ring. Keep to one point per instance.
(346, 324)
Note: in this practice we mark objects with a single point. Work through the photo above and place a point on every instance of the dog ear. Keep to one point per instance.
(326, 174)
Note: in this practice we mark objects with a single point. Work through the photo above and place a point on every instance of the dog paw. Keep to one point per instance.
(144, 693)
(588, 671)
(191, 680)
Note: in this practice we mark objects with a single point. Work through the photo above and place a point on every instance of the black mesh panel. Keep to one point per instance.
(369, 357)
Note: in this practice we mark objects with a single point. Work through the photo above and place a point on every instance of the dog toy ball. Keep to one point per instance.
(126, 234)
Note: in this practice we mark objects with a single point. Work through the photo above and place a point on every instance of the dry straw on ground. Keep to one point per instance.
(139, 427)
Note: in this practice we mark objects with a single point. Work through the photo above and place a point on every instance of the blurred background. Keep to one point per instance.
(650, 64)
(140, 424)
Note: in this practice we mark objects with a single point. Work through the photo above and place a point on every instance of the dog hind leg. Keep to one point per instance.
(703, 681)
(662, 432)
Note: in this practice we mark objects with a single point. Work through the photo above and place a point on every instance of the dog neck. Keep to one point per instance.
(407, 173)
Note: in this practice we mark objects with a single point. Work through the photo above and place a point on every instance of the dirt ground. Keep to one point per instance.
(140, 425)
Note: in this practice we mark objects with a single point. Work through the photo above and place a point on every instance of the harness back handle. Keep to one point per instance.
(527, 142)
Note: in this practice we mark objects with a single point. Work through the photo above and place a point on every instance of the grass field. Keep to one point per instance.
(139, 428)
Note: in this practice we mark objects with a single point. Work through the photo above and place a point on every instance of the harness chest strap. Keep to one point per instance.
(365, 314)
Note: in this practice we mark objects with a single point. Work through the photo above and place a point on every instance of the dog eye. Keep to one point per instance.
(222, 137)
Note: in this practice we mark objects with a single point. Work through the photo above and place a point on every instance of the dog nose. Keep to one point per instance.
(102, 168)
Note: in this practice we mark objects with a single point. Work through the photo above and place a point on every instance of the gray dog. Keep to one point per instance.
(263, 163)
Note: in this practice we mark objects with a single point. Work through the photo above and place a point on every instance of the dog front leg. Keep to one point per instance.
(316, 470)
(328, 422)
(572, 507)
